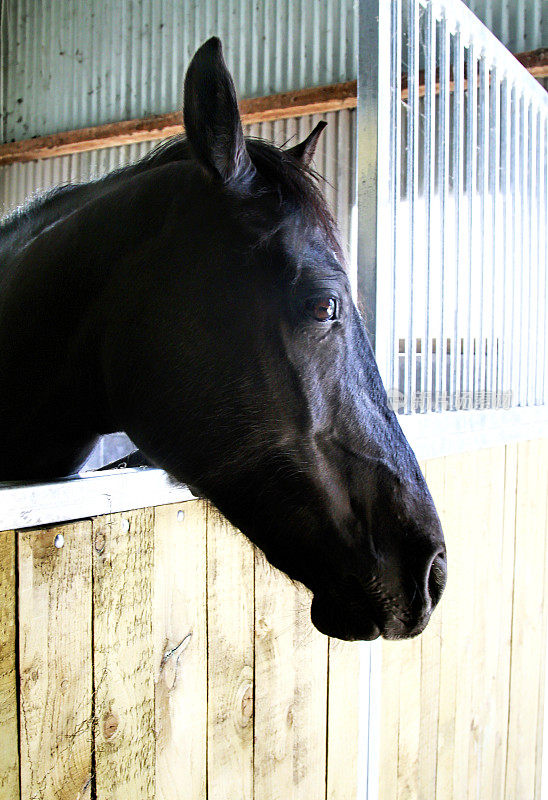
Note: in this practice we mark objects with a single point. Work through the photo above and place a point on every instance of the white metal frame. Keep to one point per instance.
(499, 183)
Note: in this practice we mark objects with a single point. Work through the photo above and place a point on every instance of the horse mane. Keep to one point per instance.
(297, 186)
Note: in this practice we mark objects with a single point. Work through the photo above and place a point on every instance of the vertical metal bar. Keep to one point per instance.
(471, 166)
(373, 156)
(458, 150)
(429, 180)
(523, 264)
(516, 271)
(443, 189)
(507, 223)
(544, 225)
(532, 211)
(538, 205)
(494, 173)
(483, 175)
(392, 366)
(412, 180)
(470, 180)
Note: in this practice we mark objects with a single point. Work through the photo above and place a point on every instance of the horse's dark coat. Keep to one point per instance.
(187, 300)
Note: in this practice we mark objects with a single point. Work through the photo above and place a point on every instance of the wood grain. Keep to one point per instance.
(542, 716)
(180, 651)
(123, 651)
(343, 720)
(482, 657)
(528, 638)
(290, 691)
(55, 662)
(9, 733)
(430, 657)
(230, 622)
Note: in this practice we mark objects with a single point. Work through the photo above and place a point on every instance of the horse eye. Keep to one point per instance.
(322, 309)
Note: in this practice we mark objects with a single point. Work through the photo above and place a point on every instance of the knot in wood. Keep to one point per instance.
(262, 628)
(110, 725)
(247, 705)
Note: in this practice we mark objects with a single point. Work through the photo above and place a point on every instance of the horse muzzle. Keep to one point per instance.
(365, 610)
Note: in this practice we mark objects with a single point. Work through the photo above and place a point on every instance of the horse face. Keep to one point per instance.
(282, 419)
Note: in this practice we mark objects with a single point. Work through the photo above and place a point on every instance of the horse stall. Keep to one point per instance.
(148, 648)
(453, 201)
(153, 653)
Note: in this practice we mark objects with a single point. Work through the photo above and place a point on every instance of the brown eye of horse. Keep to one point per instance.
(322, 309)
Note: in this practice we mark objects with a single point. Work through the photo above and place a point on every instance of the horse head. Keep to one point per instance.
(262, 388)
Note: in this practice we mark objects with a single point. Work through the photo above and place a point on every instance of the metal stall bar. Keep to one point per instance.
(375, 228)
(392, 365)
(412, 192)
(493, 361)
(471, 171)
(543, 261)
(429, 155)
(523, 253)
(516, 274)
(462, 294)
(483, 170)
(443, 190)
(455, 388)
(544, 226)
(533, 257)
(507, 222)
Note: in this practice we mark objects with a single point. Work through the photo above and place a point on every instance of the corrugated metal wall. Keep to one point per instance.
(521, 25)
(68, 64)
(335, 160)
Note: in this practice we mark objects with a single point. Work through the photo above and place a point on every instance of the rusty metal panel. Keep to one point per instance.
(67, 64)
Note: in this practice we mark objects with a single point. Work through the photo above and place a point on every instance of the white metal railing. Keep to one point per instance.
(453, 203)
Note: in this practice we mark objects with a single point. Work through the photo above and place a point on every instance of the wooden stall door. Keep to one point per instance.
(463, 705)
(154, 654)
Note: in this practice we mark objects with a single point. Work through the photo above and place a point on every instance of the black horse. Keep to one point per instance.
(198, 300)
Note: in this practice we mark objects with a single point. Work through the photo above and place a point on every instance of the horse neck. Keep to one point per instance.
(27, 223)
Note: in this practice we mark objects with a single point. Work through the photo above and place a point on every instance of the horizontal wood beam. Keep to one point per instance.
(299, 103)
(318, 100)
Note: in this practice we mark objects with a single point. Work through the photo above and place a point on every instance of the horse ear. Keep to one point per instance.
(304, 151)
(211, 116)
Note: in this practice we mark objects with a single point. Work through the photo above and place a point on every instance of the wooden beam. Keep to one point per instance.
(318, 100)
(299, 103)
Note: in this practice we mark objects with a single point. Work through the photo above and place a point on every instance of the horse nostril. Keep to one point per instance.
(436, 577)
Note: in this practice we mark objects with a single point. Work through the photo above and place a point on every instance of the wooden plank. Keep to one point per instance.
(456, 606)
(287, 105)
(544, 623)
(55, 661)
(230, 595)
(343, 720)
(487, 666)
(527, 636)
(409, 653)
(9, 733)
(430, 657)
(290, 691)
(390, 721)
(180, 651)
(123, 651)
(317, 100)
(502, 588)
